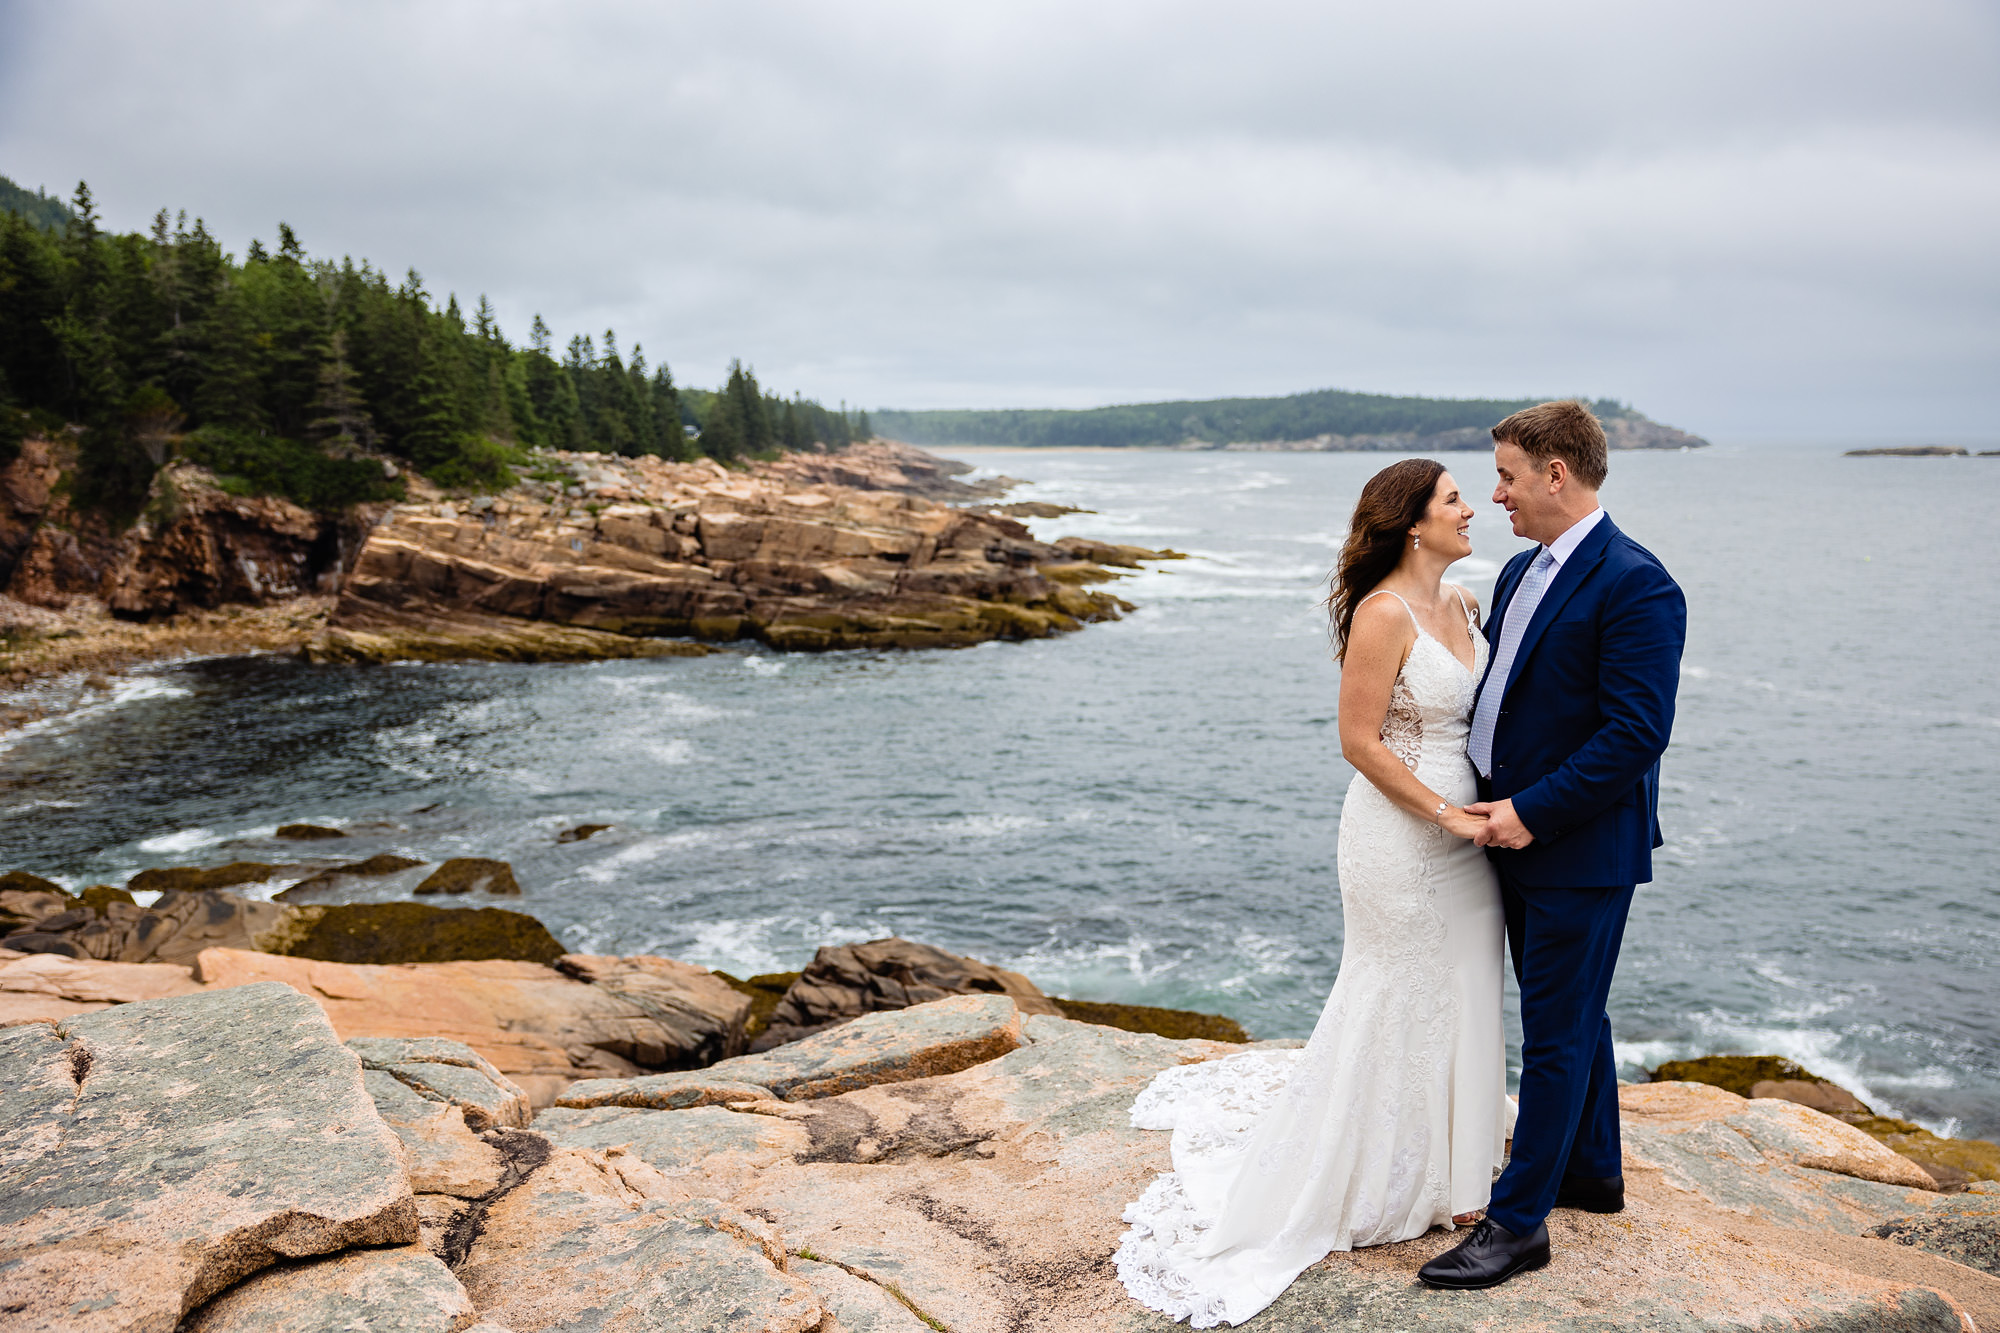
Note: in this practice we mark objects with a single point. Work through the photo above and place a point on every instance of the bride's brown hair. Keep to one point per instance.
(1392, 503)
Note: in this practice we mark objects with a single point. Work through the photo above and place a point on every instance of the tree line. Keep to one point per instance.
(1301, 416)
(301, 376)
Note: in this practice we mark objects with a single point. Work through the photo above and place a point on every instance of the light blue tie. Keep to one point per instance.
(1519, 612)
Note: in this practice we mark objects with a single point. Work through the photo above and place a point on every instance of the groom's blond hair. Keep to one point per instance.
(1564, 429)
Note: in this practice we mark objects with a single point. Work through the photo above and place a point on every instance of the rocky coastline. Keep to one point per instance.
(222, 1112)
(588, 556)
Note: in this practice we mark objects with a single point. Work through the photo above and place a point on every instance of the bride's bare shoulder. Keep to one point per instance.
(1381, 621)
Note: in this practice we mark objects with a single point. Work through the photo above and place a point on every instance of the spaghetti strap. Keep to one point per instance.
(1384, 592)
(1461, 604)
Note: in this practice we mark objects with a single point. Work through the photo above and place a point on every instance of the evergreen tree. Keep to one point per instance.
(722, 435)
(342, 421)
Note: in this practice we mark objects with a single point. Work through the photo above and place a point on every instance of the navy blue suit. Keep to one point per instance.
(1584, 717)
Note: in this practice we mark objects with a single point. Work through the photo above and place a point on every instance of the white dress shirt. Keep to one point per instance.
(1563, 547)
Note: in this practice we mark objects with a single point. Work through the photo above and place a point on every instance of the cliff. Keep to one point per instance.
(809, 552)
(587, 556)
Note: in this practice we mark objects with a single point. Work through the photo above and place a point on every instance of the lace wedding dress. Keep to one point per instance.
(1393, 1117)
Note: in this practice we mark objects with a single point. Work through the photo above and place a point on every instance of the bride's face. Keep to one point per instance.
(1443, 526)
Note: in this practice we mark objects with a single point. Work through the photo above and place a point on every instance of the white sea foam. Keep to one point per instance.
(181, 841)
(758, 664)
(70, 701)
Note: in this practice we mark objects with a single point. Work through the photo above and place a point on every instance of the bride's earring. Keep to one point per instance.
(1416, 543)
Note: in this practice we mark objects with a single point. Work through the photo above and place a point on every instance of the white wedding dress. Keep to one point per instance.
(1393, 1118)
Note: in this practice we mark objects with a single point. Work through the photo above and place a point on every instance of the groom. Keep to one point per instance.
(1572, 718)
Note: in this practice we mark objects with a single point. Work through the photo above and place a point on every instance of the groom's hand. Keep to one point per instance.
(1503, 827)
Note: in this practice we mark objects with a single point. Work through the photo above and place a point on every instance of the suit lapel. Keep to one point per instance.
(1568, 579)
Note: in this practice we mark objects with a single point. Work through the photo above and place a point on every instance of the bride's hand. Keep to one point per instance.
(1460, 824)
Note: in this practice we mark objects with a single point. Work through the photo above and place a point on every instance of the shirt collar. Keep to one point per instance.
(1565, 546)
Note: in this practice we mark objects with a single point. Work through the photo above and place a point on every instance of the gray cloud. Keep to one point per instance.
(1746, 218)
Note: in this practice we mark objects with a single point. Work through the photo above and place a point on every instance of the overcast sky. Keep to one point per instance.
(1746, 219)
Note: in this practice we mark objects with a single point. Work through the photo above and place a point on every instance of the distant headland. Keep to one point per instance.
(1323, 420)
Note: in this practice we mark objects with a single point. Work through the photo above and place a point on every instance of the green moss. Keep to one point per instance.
(100, 896)
(193, 879)
(20, 881)
(1178, 1024)
(1733, 1073)
(421, 933)
(764, 990)
(1952, 1162)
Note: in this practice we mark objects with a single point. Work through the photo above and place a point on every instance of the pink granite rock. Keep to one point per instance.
(153, 1154)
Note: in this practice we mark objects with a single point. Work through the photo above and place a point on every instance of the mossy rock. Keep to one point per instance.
(1952, 1162)
(193, 879)
(20, 881)
(1178, 1024)
(581, 832)
(382, 863)
(100, 896)
(420, 933)
(306, 832)
(1734, 1073)
(764, 990)
(465, 874)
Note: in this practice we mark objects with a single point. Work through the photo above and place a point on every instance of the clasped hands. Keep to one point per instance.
(1488, 824)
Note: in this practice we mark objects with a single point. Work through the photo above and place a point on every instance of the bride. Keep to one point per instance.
(1394, 1117)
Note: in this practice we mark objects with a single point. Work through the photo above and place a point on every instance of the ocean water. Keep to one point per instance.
(1147, 810)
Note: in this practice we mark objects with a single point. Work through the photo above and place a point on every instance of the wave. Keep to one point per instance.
(71, 700)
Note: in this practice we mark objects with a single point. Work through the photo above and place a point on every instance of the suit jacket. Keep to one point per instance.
(1586, 712)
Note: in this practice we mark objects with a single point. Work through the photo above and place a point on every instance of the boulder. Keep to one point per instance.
(577, 1245)
(195, 879)
(448, 1073)
(701, 1014)
(543, 1030)
(27, 899)
(154, 1154)
(848, 980)
(177, 927)
(470, 874)
(935, 1037)
(406, 932)
(445, 1156)
(404, 1290)
(46, 987)
(1773, 1161)
(307, 832)
(581, 832)
(1950, 1163)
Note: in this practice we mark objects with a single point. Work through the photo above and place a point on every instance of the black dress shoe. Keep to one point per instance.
(1592, 1194)
(1488, 1257)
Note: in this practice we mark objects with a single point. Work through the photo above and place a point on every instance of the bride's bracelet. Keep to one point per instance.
(1437, 815)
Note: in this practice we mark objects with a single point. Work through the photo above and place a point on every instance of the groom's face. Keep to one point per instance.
(1523, 490)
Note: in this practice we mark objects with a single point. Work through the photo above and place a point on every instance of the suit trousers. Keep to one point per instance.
(1565, 947)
